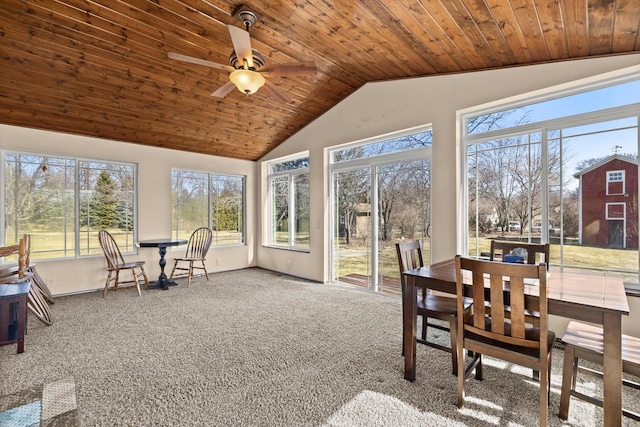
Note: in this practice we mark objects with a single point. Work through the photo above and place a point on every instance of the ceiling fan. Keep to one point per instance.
(247, 69)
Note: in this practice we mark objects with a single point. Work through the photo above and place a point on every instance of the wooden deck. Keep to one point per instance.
(389, 285)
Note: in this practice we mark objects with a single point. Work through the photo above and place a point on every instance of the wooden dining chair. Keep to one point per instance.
(586, 342)
(429, 306)
(116, 263)
(197, 249)
(535, 252)
(490, 333)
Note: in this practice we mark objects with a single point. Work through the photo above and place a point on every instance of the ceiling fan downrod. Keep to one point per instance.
(246, 16)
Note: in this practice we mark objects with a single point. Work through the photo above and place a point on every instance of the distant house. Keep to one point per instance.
(608, 203)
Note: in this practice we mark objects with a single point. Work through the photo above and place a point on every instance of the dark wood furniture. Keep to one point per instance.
(197, 249)
(587, 342)
(429, 306)
(37, 300)
(595, 297)
(162, 245)
(116, 263)
(491, 333)
(13, 313)
(535, 252)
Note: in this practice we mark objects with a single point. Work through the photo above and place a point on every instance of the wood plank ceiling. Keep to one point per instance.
(100, 67)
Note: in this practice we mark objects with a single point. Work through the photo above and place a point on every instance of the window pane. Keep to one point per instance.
(599, 226)
(301, 215)
(505, 191)
(106, 202)
(289, 165)
(608, 97)
(279, 190)
(190, 202)
(352, 233)
(39, 200)
(289, 203)
(226, 209)
(395, 145)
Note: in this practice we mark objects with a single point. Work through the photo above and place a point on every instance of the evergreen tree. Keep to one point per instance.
(104, 203)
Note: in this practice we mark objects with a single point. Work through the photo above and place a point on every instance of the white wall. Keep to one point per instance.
(384, 107)
(154, 202)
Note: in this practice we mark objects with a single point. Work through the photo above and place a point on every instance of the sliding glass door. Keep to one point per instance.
(380, 196)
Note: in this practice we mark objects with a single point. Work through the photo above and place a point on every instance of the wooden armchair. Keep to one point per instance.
(116, 263)
(197, 249)
(491, 333)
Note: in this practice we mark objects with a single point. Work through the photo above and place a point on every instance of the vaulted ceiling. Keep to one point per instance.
(100, 67)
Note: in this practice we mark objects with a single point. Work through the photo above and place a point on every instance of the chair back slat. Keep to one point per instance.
(199, 243)
(517, 304)
(110, 249)
(479, 305)
(497, 301)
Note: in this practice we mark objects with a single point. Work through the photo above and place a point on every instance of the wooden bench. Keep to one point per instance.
(586, 342)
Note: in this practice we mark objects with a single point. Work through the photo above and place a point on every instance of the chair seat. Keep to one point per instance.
(586, 342)
(531, 333)
(440, 307)
(591, 338)
(187, 259)
(133, 264)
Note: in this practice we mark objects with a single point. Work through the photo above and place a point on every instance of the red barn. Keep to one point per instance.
(608, 197)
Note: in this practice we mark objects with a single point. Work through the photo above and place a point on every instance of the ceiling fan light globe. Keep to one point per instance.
(247, 81)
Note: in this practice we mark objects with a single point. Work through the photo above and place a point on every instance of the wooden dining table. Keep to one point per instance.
(596, 297)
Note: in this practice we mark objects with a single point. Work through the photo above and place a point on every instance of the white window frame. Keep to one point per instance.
(76, 213)
(210, 215)
(465, 139)
(291, 176)
(372, 162)
(610, 175)
(624, 211)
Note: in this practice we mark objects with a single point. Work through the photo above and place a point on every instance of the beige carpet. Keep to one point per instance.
(256, 348)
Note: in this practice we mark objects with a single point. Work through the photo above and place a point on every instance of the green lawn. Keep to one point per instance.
(356, 260)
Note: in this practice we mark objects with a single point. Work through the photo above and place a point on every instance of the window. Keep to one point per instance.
(289, 203)
(64, 202)
(615, 182)
(546, 168)
(202, 199)
(380, 195)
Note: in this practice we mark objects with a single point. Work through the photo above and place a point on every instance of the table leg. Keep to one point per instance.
(612, 369)
(410, 313)
(163, 282)
(162, 279)
(22, 321)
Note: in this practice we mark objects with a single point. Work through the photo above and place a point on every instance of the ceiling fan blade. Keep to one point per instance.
(290, 70)
(241, 44)
(273, 91)
(224, 90)
(198, 61)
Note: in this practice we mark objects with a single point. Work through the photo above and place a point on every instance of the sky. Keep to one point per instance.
(605, 138)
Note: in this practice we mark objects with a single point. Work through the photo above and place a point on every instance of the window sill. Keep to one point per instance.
(287, 248)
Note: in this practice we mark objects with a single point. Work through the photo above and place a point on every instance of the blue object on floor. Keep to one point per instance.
(22, 416)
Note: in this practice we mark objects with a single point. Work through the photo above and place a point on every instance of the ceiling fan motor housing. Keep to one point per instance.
(258, 60)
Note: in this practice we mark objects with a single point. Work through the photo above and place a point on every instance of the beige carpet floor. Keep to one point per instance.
(257, 348)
